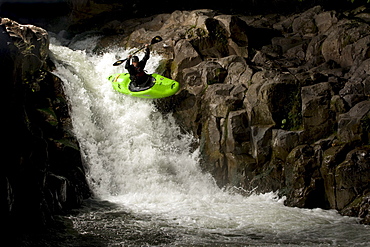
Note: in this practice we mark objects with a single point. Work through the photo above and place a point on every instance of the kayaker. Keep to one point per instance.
(137, 74)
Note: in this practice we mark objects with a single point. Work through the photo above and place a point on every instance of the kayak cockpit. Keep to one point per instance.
(145, 86)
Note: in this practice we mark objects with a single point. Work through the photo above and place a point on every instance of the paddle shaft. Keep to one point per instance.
(154, 41)
(124, 60)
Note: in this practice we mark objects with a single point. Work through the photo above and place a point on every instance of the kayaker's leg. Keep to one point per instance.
(135, 83)
(145, 81)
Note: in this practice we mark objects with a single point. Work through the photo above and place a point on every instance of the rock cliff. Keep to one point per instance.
(279, 103)
(42, 171)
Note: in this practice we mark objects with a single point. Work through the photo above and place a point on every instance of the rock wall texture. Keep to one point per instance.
(42, 173)
(279, 103)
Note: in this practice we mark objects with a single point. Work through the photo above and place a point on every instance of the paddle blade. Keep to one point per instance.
(119, 62)
(155, 40)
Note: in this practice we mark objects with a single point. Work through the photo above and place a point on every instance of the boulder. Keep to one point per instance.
(238, 72)
(187, 109)
(317, 116)
(325, 20)
(198, 77)
(284, 141)
(357, 88)
(303, 180)
(305, 24)
(338, 106)
(258, 113)
(185, 56)
(212, 43)
(352, 176)
(353, 92)
(237, 34)
(32, 41)
(353, 126)
(331, 158)
(286, 43)
(270, 98)
(238, 133)
(313, 53)
(297, 54)
(261, 142)
(240, 169)
(57, 186)
(359, 208)
(220, 101)
(214, 161)
(346, 43)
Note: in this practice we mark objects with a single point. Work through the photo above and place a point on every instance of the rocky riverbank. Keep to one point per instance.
(43, 174)
(277, 102)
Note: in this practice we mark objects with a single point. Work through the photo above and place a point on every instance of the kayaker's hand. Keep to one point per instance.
(129, 56)
(146, 45)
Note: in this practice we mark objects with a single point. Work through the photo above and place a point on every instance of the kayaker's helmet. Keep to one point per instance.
(135, 59)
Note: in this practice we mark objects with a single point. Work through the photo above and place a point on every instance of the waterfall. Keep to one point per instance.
(140, 159)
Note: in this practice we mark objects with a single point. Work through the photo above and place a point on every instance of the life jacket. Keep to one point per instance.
(139, 71)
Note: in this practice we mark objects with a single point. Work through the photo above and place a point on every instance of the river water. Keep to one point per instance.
(148, 185)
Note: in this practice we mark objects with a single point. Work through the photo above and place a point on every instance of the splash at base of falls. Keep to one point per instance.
(147, 178)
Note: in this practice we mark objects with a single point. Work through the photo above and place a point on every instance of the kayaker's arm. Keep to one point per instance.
(127, 66)
(147, 54)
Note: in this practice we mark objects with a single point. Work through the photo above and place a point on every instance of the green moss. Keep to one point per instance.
(195, 32)
(25, 48)
(293, 111)
(68, 143)
(295, 120)
(49, 115)
(164, 67)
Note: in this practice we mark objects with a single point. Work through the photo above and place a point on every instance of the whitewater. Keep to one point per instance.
(149, 189)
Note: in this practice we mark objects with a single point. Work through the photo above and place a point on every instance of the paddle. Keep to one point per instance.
(155, 40)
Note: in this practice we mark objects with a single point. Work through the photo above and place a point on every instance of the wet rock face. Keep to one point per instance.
(287, 110)
(42, 174)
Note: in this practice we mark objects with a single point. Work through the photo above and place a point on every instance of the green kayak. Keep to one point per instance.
(156, 87)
